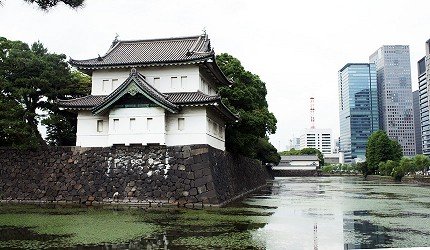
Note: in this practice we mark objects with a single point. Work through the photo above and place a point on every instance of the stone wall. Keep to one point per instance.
(182, 175)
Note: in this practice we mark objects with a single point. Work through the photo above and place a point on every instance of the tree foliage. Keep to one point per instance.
(47, 4)
(306, 151)
(247, 97)
(31, 80)
(381, 149)
(421, 163)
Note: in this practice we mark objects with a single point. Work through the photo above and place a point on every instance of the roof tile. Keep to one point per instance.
(154, 51)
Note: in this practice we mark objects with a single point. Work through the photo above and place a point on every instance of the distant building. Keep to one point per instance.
(294, 143)
(396, 116)
(358, 109)
(417, 122)
(334, 158)
(317, 138)
(298, 162)
(423, 83)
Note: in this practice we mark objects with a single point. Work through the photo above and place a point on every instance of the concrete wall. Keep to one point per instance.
(180, 175)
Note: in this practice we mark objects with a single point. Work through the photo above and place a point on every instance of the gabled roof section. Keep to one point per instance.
(136, 84)
(151, 52)
(191, 97)
(84, 103)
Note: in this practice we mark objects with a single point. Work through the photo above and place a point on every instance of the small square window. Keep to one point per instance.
(181, 124)
(132, 124)
(99, 125)
(149, 124)
(115, 125)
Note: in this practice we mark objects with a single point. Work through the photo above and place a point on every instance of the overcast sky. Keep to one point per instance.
(296, 47)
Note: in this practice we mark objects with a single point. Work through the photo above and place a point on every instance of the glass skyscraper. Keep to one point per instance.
(393, 69)
(423, 83)
(358, 109)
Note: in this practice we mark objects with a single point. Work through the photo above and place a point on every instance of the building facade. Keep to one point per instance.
(423, 84)
(417, 121)
(158, 91)
(298, 162)
(395, 94)
(320, 139)
(358, 109)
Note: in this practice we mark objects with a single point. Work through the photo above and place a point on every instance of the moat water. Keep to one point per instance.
(291, 213)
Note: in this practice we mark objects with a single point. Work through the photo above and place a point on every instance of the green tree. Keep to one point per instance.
(33, 79)
(14, 131)
(407, 164)
(386, 168)
(421, 163)
(247, 97)
(313, 151)
(61, 125)
(306, 151)
(398, 173)
(396, 152)
(292, 151)
(46, 4)
(380, 149)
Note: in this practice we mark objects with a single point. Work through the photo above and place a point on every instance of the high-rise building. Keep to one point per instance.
(393, 69)
(417, 122)
(294, 143)
(423, 88)
(317, 138)
(358, 109)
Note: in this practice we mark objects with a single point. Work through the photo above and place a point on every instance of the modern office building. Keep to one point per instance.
(396, 116)
(317, 138)
(294, 143)
(423, 88)
(417, 121)
(358, 109)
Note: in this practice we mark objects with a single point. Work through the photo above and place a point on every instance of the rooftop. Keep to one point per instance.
(151, 52)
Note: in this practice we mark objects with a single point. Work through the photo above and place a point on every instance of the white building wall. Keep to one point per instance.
(166, 79)
(127, 126)
(320, 139)
(87, 134)
(193, 130)
(137, 126)
(215, 127)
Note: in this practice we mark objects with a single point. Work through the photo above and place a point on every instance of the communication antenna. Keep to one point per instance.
(312, 112)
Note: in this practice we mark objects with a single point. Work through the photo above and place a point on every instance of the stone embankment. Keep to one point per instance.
(192, 175)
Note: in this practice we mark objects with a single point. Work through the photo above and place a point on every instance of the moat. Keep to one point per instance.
(291, 213)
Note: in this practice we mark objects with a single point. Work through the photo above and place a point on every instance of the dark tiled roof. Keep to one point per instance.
(175, 98)
(150, 52)
(191, 97)
(86, 102)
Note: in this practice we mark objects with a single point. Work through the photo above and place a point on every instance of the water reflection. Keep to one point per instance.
(290, 213)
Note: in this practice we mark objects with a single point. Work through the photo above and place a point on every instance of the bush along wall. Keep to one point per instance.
(192, 175)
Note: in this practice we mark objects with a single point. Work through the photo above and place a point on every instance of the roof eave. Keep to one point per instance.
(90, 66)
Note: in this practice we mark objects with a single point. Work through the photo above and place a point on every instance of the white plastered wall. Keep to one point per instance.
(194, 127)
(87, 134)
(166, 79)
(215, 130)
(137, 126)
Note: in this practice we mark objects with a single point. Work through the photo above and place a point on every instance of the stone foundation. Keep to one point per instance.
(181, 175)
